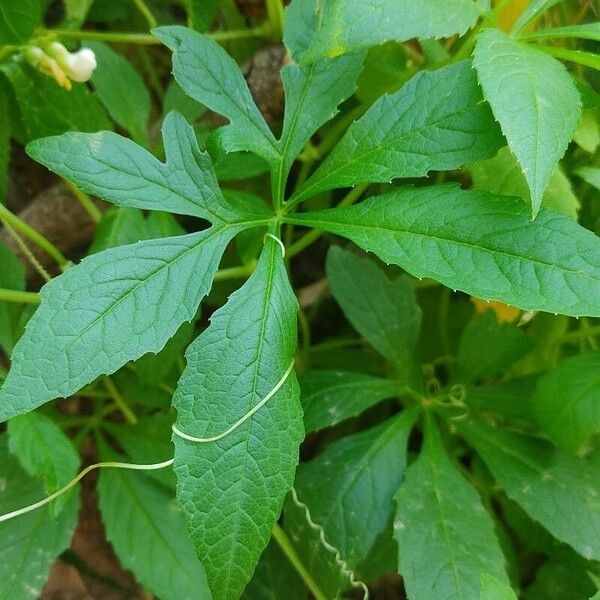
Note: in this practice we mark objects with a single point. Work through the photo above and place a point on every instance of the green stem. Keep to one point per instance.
(235, 272)
(312, 236)
(147, 38)
(284, 543)
(276, 18)
(31, 234)
(146, 13)
(86, 202)
(6, 51)
(119, 400)
(21, 297)
(587, 59)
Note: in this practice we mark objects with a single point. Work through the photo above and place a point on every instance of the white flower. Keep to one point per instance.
(79, 65)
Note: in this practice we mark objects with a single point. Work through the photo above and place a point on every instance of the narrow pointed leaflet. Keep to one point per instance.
(231, 490)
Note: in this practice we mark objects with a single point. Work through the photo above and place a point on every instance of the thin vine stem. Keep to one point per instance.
(86, 202)
(20, 297)
(147, 39)
(146, 13)
(121, 403)
(32, 235)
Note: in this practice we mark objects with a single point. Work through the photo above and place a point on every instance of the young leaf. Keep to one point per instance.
(32, 542)
(383, 310)
(118, 170)
(122, 91)
(330, 397)
(149, 535)
(535, 101)
(112, 308)
(48, 109)
(493, 589)
(208, 74)
(567, 401)
(438, 120)
(18, 19)
(335, 484)
(445, 537)
(12, 277)
(45, 452)
(312, 95)
(533, 10)
(275, 578)
(487, 347)
(558, 490)
(231, 490)
(484, 245)
(341, 26)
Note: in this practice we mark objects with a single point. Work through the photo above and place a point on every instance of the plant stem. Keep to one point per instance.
(147, 38)
(31, 234)
(312, 236)
(587, 59)
(146, 13)
(235, 272)
(286, 546)
(86, 202)
(119, 400)
(17, 296)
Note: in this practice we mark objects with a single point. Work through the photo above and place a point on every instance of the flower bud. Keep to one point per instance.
(79, 65)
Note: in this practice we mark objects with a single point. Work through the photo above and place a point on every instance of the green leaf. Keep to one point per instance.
(122, 91)
(535, 101)
(112, 308)
(383, 310)
(349, 487)
(18, 19)
(330, 397)
(209, 75)
(556, 489)
(493, 589)
(201, 13)
(275, 578)
(484, 245)
(502, 175)
(533, 10)
(488, 347)
(445, 537)
(32, 542)
(567, 401)
(45, 452)
(312, 95)
(232, 490)
(47, 109)
(12, 277)
(75, 13)
(149, 535)
(118, 170)
(590, 175)
(340, 26)
(119, 226)
(438, 121)
(313, 555)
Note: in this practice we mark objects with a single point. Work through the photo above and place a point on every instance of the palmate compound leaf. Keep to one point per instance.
(208, 74)
(446, 539)
(117, 169)
(556, 489)
(535, 101)
(478, 243)
(438, 121)
(349, 487)
(112, 308)
(232, 490)
(339, 26)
